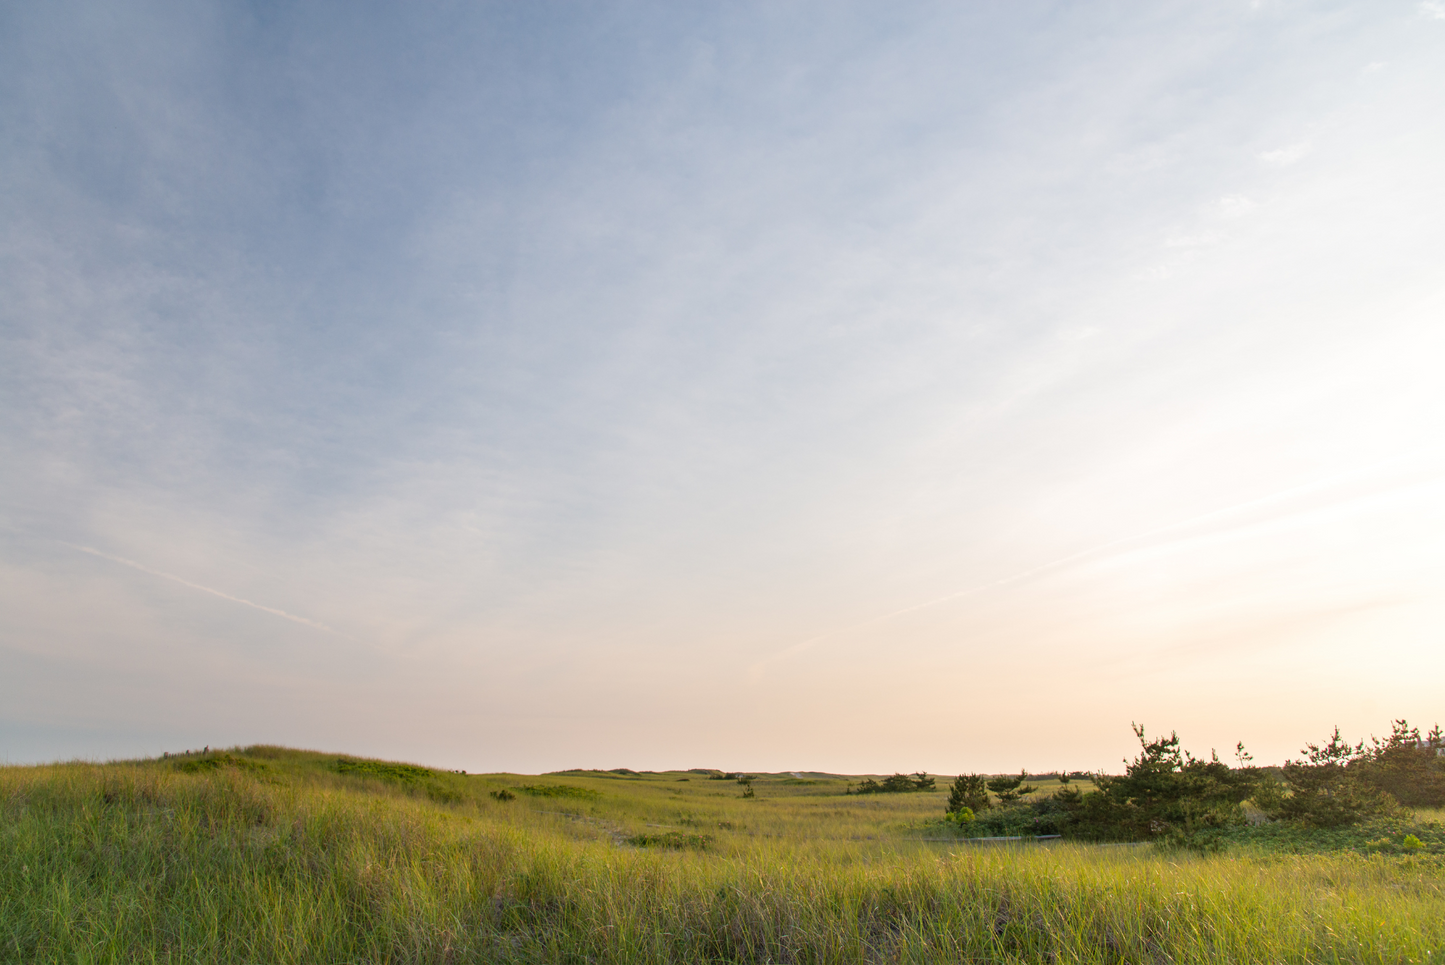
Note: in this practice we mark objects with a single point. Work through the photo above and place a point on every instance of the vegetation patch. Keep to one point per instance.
(175, 869)
(558, 790)
(1336, 797)
(214, 762)
(1383, 836)
(897, 784)
(395, 772)
(678, 840)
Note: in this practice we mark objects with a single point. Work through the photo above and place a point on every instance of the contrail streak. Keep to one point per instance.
(204, 589)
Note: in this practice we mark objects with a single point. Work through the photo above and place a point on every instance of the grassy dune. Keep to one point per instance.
(267, 855)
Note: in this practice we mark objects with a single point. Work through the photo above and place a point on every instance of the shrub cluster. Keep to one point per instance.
(1168, 793)
(557, 790)
(396, 772)
(1335, 783)
(968, 793)
(896, 784)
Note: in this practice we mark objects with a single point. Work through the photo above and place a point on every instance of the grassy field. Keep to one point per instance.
(269, 855)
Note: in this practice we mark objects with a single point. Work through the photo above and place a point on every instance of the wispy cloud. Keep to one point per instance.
(1432, 9)
(1332, 491)
(304, 621)
(665, 335)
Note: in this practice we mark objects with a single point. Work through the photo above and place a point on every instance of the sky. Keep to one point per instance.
(770, 386)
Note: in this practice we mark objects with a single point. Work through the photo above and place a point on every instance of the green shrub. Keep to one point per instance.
(382, 769)
(961, 816)
(558, 790)
(1328, 786)
(1405, 766)
(1163, 792)
(969, 792)
(1010, 789)
(895, 784)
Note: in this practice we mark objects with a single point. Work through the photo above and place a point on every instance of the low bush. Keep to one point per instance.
(558, 790)
(896, 784)
(382, 769)
(962, 817)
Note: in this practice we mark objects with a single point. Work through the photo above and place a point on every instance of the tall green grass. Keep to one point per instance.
(276, 857)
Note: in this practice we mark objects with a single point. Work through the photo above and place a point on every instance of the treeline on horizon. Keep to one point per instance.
(1166, 792)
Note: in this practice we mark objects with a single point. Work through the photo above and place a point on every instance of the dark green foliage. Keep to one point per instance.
(1337, 783)
(503, 795)
(1170, 796)
(558, 790)
(897, 784)
(1164, 792)
(1388, 835)
(1408, 767)
(1327, 788)
(1056, 814)
(396, 772)
(968, 791)
(1010, 789)
(1043, 816)
(894, 784)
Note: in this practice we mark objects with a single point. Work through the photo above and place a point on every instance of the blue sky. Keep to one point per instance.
(827, 386)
